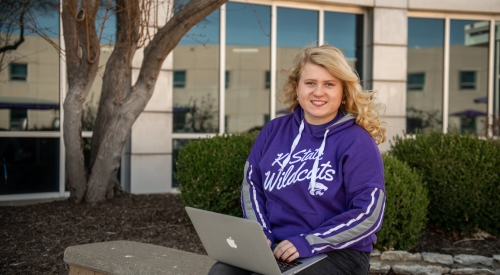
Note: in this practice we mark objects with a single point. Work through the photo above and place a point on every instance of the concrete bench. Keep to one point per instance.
(126, 257)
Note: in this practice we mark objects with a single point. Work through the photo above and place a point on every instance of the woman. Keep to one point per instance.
(314, 179)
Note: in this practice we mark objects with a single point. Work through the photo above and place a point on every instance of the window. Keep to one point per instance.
(198, 53)
(267, 118)
(469, 55)
(467, 80)
(268, 79)
(228, 79)
(292, 35)
(18, 119)
(424, 83)
(413, 123)
(18, 71)
(30, 165)
(415, 82)
(345, 31)
(181, 115)
(468, 125)
(179, 79)
(248, 47)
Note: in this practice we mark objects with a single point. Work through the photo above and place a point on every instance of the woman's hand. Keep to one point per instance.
(286, 251)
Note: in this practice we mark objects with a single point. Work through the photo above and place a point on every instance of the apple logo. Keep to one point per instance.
(231, 242)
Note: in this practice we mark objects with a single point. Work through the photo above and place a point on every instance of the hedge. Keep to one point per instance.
(462, 172)
(405, 208)
(210, 172)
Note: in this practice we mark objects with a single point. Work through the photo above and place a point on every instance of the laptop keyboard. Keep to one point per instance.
(284, 266)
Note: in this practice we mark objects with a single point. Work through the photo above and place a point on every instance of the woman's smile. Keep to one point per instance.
(319, 93)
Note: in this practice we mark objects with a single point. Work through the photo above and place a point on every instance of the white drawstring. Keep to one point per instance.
(312, 183)
(321, 149)
(294, 144)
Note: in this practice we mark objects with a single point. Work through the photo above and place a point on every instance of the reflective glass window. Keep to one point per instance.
(29, 165)
(268, 80)
(425, 74)
(18, 71)
(297, 29)
(227, 79)
(467, 80)
(179, 79)
(415, 82)
(29, 74)
(345, 31)
(196, 106)
(247, 97)
(469, 43)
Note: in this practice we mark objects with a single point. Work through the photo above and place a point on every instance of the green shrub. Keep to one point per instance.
(210, 172)
(462, 173)
(405, 207)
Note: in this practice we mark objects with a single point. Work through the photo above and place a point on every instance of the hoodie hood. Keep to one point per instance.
(338, 124)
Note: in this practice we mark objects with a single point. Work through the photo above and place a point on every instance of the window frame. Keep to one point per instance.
(176, 84)
(227, 79)
(18, 77)
(448, 17)
(415, 88)
(467, 86)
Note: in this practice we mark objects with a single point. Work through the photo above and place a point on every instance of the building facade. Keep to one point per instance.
(434, 64)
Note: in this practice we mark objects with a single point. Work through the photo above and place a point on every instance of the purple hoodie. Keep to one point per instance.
(321, 191)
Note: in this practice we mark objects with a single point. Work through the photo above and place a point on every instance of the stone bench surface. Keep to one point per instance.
(127, 257)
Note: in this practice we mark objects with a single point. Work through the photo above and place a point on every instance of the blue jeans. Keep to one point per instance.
(338, 262)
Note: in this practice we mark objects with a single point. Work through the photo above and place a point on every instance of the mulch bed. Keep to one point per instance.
(33, 237)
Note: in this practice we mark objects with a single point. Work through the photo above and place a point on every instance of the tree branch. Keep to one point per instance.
(70, 37)
(16, 44)
(21, 32)
(164, 41)
(117, 70)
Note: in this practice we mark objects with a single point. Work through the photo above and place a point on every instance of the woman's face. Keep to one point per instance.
(319, 94)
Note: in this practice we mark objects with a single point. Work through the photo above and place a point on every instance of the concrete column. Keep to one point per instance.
(388, 47)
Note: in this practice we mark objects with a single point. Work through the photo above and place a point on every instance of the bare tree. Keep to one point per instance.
(117, 109)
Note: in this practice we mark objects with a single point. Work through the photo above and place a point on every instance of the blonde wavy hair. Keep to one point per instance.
(361, 103)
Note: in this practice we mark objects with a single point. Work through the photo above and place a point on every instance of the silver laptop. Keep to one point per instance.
(240, 242)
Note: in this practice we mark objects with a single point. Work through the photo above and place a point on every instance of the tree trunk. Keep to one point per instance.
(116, 79)
(103, 177)
(82, 55)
